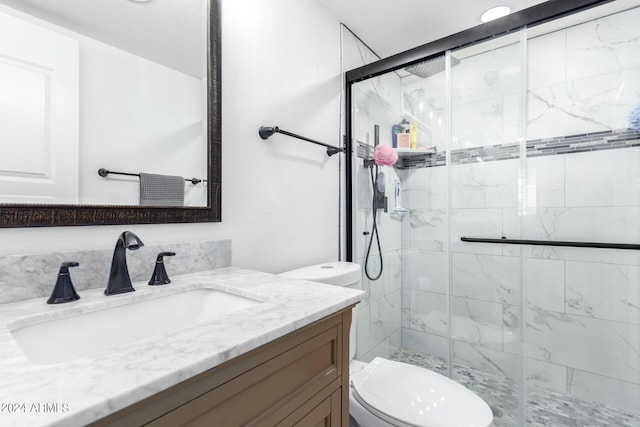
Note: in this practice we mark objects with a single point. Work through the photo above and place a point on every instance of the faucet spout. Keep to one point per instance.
(119, 279)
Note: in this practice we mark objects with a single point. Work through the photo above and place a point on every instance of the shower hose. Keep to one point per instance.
(374, 229)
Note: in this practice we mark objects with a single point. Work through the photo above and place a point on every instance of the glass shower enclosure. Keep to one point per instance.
(531, 134)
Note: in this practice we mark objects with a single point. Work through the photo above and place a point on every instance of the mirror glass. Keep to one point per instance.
(117, 86)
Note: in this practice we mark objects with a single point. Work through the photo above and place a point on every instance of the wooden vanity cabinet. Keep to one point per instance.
(299, 379)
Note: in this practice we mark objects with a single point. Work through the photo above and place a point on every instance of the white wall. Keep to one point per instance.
(281, 66)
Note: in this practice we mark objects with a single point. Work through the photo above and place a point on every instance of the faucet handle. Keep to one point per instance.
(64, 291)
(159, 276)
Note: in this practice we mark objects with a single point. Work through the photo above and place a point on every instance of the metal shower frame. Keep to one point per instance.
(535, 15)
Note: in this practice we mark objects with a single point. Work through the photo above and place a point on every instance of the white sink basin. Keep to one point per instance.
(91, 333)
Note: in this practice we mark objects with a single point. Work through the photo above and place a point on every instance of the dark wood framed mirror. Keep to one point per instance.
(54, 214)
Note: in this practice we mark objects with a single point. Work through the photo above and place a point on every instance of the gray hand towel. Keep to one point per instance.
(161, 190)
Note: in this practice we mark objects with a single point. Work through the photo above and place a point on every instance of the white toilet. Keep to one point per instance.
(387, 393)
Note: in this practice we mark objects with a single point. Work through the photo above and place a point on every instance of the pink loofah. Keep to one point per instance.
(384, 155)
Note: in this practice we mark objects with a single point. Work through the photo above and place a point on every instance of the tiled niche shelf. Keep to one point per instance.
(596, 141)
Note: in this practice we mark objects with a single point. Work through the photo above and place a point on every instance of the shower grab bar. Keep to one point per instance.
(106, 172)
(504, 240)
(266, 131)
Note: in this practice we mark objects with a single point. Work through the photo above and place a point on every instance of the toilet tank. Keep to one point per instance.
(337, 273)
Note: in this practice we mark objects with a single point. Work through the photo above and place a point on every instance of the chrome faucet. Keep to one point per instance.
(119, 279)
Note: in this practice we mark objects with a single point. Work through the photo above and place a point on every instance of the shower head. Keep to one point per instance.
(430, 67)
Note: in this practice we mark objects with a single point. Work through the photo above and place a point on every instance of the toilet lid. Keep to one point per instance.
(416, 396)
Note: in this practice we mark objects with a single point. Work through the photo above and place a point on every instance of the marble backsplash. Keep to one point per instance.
(30, 276)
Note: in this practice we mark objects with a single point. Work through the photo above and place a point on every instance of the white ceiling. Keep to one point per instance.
(169, 32)
(393, 26)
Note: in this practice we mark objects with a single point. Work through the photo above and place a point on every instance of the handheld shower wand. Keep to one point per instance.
(383, 156)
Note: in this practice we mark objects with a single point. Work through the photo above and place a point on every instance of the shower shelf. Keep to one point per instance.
(405, 152)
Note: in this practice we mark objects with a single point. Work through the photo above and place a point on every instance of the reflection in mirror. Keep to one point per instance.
(119, 85)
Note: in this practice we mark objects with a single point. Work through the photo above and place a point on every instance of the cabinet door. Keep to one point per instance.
(325, 414)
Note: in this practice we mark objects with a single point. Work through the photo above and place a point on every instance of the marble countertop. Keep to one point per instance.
(85, 389)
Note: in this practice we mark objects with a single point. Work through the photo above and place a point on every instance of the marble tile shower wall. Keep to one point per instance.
(378, 331)
(581, 313)
(33, 276)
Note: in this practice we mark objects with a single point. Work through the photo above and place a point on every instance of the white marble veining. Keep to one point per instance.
(552, 47)
(477, 124)
(577, 224)
(91, 387)
(545, 375)
(379, 315)
(487, 359)
(478, 185)
(617, 393)
(545, 182)
(33, 276)
(470, 222)
(592, 105)
(477, 322)
(428, 229)
(590, 181)
(544, 283)
(594, 81)
(610, 256)
(487, 70)
(603, 291)
(425, 270)
(603, 45)
(385, 313)
(425, 312)
(486, 277)
(425, 343)
(486, 99)
(392, 274)
(609, 348)
(425, 188)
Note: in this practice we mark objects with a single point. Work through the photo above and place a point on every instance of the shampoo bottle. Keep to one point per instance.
(413, 131)
(395, 130)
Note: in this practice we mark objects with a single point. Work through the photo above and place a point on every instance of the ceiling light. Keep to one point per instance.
(495, 13)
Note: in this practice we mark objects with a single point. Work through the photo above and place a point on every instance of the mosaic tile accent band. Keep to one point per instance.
(606, 140)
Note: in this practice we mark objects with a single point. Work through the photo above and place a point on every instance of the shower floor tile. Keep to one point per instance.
(544, 407)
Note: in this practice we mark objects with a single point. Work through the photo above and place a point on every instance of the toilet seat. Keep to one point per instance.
(407, 395)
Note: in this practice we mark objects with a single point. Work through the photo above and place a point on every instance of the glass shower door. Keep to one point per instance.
(425, 243)
(582, 311)
(485, 201)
